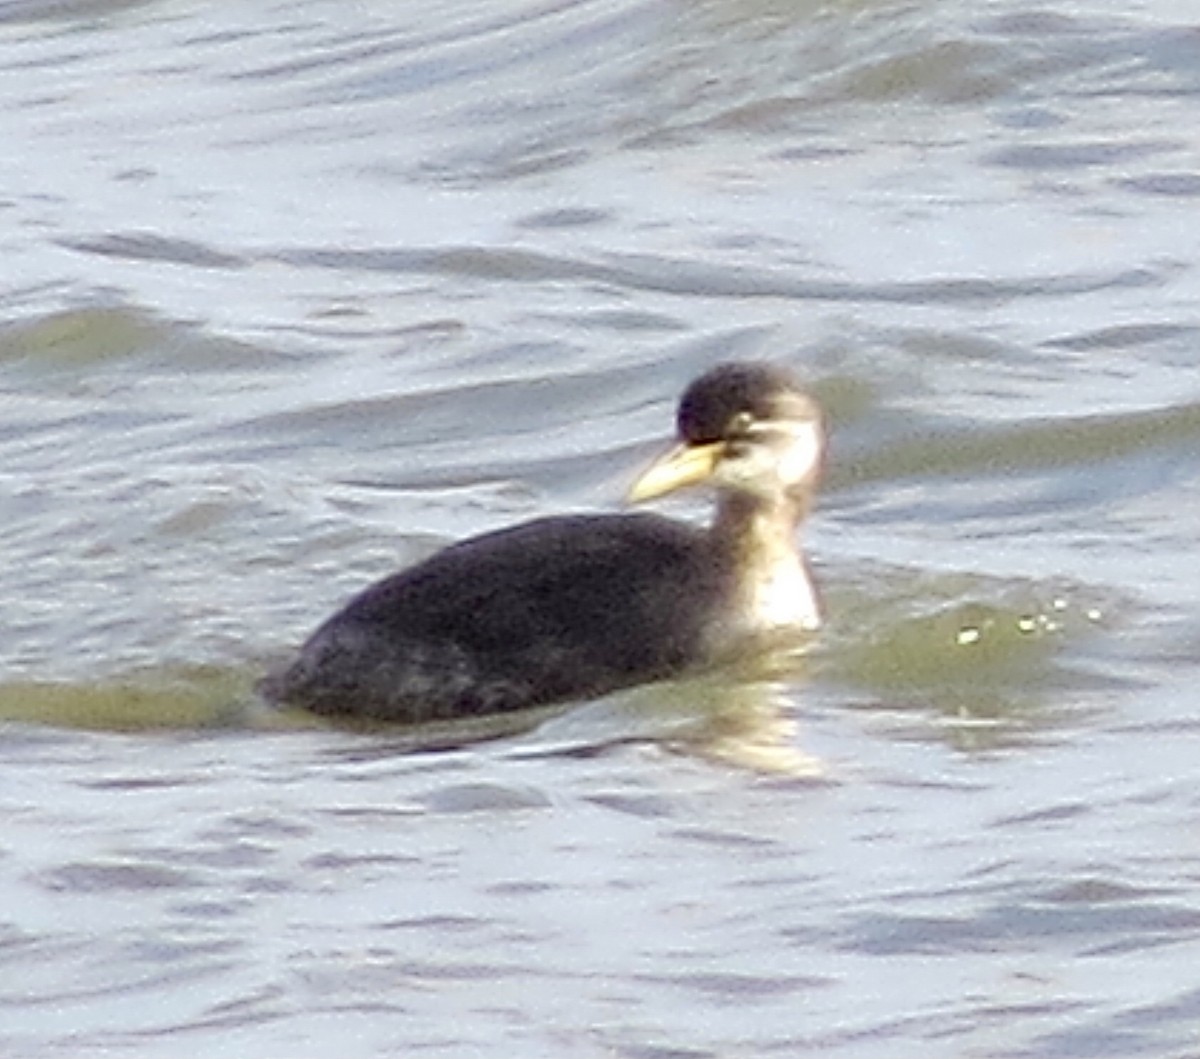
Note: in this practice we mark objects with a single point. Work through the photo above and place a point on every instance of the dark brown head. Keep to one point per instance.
(748, 428)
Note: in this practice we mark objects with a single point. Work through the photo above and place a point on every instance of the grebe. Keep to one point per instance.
(575, 606)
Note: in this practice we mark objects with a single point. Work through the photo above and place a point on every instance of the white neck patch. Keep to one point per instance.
(783, 597)
(803, 456)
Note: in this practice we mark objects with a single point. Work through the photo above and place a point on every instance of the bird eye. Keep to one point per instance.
(739, 426)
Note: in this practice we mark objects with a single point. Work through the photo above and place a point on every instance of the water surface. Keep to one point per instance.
(296, 293)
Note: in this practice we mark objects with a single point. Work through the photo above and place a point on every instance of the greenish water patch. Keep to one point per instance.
(1027, 446)
(189, 698)
(17, 11)
(974, 654)
(119, 336)
(77, 338)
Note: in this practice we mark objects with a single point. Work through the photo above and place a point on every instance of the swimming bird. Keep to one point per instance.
(571, 607)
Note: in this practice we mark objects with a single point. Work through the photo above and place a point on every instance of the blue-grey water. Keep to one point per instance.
(293, 293)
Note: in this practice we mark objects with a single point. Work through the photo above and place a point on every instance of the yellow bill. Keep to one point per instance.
(684, 465)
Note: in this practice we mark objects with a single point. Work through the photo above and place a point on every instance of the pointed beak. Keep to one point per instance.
(684, 465)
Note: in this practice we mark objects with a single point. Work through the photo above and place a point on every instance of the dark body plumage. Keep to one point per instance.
(557, 608)
(572, 607)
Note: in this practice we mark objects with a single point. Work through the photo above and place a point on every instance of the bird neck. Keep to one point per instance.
(772, 585)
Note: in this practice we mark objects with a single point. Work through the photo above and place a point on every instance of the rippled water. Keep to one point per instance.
(295, 293)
